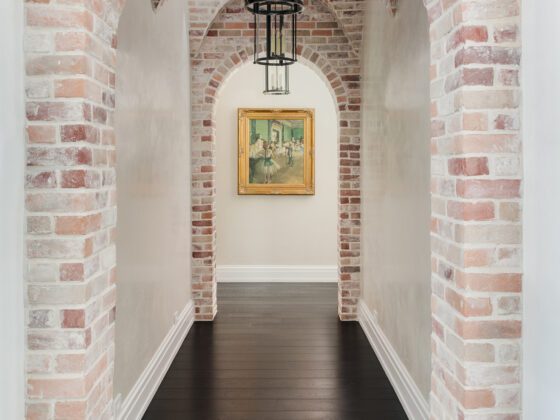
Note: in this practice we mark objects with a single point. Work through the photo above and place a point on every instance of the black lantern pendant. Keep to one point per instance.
(277, 80)
(285, 7)
(279, 45)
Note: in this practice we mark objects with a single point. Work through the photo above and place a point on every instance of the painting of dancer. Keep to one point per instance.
(276, 152)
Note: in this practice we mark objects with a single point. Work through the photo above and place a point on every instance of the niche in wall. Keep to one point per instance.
(271, 230)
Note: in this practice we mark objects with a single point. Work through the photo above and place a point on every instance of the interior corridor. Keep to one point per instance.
(276, 352)
(317, 209)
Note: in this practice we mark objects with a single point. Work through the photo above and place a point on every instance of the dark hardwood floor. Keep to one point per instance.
(276, 352)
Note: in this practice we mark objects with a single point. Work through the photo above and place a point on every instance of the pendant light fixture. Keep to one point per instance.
(277, 80)
(286, 7)
(277, 49)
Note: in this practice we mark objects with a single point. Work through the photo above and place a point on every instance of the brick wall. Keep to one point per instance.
(326, 47)
(476, 209)
(70, 204)
(347, 13)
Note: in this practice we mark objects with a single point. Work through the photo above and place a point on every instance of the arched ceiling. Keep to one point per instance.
(349, 14)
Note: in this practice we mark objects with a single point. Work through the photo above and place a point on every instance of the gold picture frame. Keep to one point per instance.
(276, 151)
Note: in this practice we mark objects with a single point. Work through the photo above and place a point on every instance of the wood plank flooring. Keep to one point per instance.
(276, 352)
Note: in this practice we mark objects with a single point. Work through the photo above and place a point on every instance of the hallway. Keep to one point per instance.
(276, 351)
(419, 233)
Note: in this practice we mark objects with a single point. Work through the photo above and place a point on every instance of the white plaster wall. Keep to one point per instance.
(153, 182)
(396, 181)
(541, 145)
(274, 230)
(12, 165)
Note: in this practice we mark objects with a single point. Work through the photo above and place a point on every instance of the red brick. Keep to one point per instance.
(71, 272)
(469, 166)
(46, 179)
(478, 77)
(37, 411)
(73, 318)
(508, 77)
(58, 65)
(56, 111)
(471, 211)
(475, 121)
(472, 188)
(467, 33)
(41, 134)
(80, 132)
(69, 410)
(63, 156)
(468, 306)
(72, 41)
(80, 178)
(489, 329)
(59, 18)
(487, 55)
(490, 282)
(77, 225)
(506, 33)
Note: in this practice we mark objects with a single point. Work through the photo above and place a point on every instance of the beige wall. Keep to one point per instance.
(153, 181)
(396, 180)
(12, 166)
(270, 230)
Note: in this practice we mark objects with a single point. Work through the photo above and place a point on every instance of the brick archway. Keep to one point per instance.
(476, 187)
(225, 47)
(348, 285)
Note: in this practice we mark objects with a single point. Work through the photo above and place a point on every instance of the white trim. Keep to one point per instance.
(277, 273)
(138, 399)
(410, 396)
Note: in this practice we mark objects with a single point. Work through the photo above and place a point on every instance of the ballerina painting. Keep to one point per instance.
(276, 152)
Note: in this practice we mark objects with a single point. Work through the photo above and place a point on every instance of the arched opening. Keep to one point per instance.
(271, 238)
(339, 66)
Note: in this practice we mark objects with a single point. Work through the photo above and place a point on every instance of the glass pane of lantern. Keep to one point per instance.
(275, 39)
(277, 80)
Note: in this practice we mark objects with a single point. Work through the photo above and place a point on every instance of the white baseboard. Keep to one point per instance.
(139, 398)
(277, 273)
(410, 396)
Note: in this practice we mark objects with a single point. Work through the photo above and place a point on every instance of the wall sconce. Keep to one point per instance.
(393, 6)
(156, 4)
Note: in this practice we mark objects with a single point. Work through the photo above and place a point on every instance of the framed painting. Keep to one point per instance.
(276, 152)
